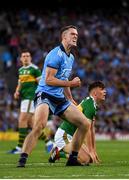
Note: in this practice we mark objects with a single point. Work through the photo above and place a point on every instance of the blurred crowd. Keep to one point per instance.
(103, 54)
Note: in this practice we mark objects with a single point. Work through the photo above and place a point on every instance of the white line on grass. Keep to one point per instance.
(30, 164)
(62, 163)
(75, 176)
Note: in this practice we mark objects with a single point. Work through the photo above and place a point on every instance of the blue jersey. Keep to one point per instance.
(57, 59)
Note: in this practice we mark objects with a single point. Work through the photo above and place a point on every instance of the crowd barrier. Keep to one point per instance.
(112, 136)
(6, 136)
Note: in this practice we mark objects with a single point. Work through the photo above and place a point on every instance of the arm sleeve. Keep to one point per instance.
(88, 111)
(54, 61)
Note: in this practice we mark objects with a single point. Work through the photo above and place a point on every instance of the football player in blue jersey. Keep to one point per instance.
(53, 95)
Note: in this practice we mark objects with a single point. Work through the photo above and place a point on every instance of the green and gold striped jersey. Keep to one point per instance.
(28, 79)
(89, 109)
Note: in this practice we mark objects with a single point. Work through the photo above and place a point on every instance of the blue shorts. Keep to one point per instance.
(57, 105)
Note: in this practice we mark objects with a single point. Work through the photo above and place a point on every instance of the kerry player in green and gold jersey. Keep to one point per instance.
(65, 132)
(29, 76)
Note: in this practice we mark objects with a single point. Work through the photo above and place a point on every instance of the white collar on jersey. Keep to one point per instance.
(95, 104)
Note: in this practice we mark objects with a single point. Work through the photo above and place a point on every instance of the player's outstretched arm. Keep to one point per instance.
(88, 142)
(17, 91)
(93, 141)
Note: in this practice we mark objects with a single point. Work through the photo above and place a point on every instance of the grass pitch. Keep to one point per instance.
(114, 156)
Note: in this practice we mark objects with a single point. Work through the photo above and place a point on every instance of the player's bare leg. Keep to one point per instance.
(77, 118)
(41, 116)
(83, 155)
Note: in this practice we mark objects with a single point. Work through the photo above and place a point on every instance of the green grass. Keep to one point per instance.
(114, 156)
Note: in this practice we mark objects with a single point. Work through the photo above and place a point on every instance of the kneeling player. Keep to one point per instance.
(66, 131)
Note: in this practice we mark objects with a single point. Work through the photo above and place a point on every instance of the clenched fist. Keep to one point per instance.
(76, 82)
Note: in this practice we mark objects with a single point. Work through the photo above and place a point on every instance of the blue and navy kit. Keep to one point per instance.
(57, 59)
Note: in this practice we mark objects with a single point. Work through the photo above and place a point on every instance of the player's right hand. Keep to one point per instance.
(76, 82)
(16, 95)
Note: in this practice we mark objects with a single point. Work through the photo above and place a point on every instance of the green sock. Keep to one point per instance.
(44, 137)
(22, 135)
(62, 154)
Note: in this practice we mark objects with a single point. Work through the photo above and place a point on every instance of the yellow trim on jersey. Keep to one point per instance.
(65, 138)
(80, 107)
(27, 78)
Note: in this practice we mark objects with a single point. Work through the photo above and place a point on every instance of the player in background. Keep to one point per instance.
(66, 131)
(29, 76)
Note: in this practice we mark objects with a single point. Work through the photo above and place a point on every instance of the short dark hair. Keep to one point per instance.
(96, 84)
(25, 51)
(67, 27)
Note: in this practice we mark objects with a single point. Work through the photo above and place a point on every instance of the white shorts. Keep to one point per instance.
(61, 138)
(27, 106)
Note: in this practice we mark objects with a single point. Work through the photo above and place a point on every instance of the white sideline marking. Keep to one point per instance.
(30, 164)
(62, 163)
(42, 176)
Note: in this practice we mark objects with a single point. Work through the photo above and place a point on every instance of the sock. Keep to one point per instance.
(43, 136)
(62, 154)
(24, 155)
(22, 135)
(73, 155)
(23, 158)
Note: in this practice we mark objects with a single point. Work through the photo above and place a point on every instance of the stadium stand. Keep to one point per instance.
(103, 54)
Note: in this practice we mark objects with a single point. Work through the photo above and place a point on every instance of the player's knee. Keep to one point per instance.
(86, 125)
(37, 130)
